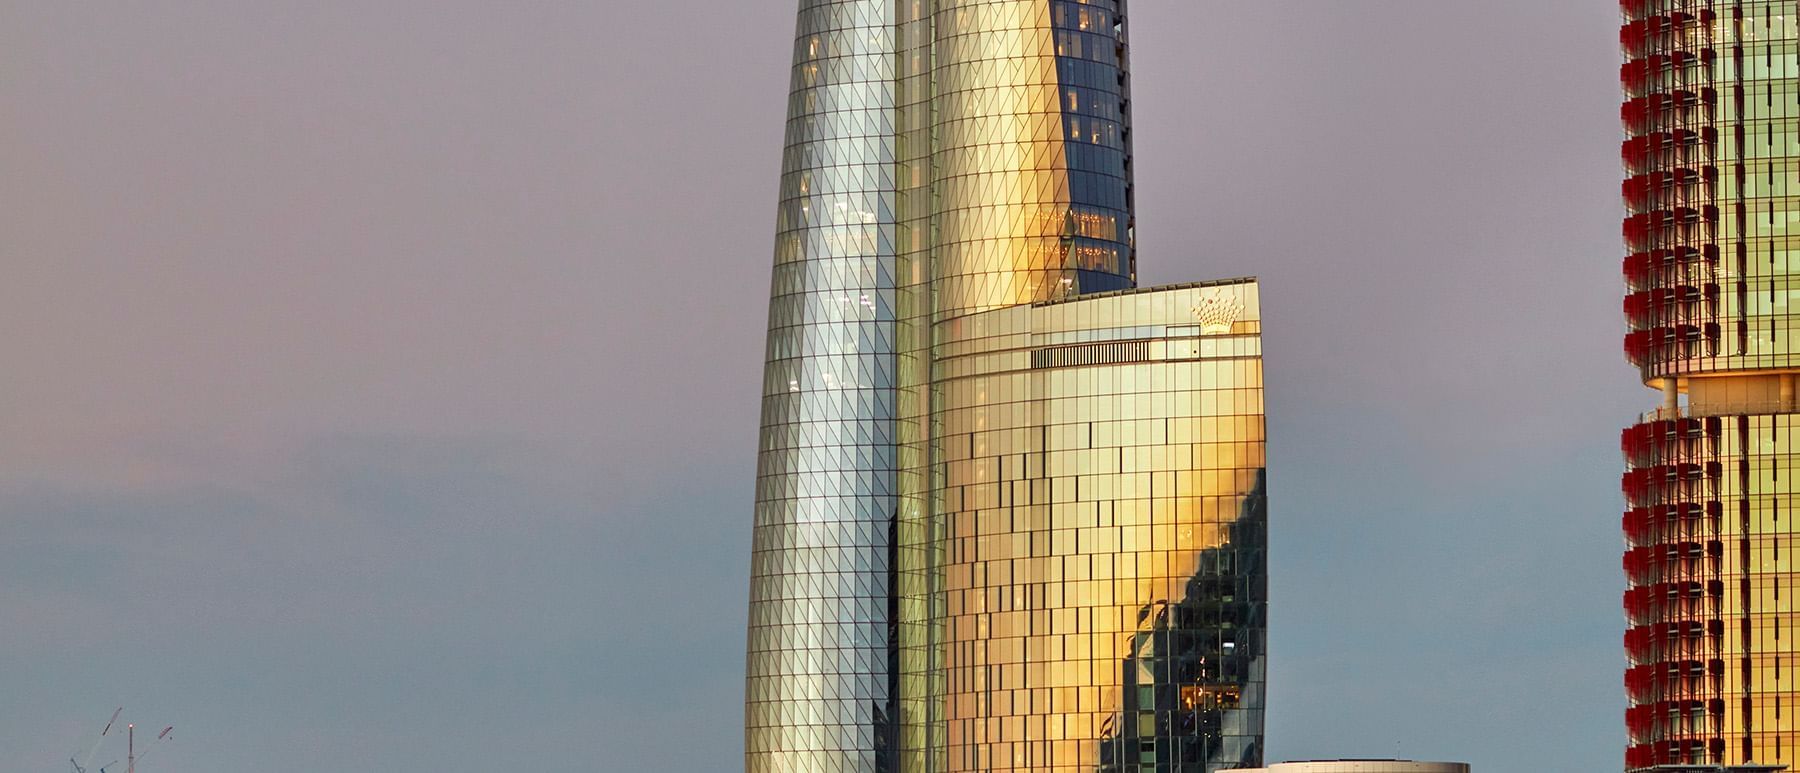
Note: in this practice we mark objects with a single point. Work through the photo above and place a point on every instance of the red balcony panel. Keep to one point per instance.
(1637, 308)
(1680, 629)
(1638, 346)
(1639, 190)
(1639, 680)
(1635, 76)
(1686, 589)
(1684, 551)
(1637, 151)
(1640, 644)
(1683, 511)
(1645, 306)
(1648, 112)
(1655, 438)
(1638, 603)
(1686, 751)
(1640, 720)
(1640, 114)
(1639, 562)
(1636, 189)
(1638, 484)
(1679, 707)
(1648, 261)
(1660, 687)
(1674, 217)
(1644, 523)
(1658, 25)
(1636, 525)
(1641, 267)
(1635, 437)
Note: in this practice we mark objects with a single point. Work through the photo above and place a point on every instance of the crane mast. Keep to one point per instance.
(131, 756)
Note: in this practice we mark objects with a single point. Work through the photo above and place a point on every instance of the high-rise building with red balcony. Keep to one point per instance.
(1712, 268)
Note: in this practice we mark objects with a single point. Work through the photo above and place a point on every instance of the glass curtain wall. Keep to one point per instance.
(819, 686)
(1712, 192)
(1014, 187)
(1009, 510)
(1104, 572)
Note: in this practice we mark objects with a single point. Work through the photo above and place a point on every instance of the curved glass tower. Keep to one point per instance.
(818, 692)
(1010, 509)
(1032, 174)
(1102, 561)
(1712, 192)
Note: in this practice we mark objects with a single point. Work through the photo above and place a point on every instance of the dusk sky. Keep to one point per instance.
(379, 381)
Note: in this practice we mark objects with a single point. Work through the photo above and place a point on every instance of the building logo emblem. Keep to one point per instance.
(1217, 311)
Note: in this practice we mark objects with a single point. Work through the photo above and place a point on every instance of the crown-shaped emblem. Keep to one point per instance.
(1217, 311)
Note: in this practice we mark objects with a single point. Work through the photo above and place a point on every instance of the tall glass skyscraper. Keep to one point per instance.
(1712, 232)
(1010, 508)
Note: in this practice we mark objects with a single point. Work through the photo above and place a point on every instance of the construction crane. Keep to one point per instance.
(88, 759)
(161, 738)
(132, 757)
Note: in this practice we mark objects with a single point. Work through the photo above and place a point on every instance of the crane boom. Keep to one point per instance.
(82, 764)
(88, 759)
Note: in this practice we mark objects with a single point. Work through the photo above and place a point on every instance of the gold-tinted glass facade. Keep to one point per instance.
(1712, 191)
(1032, 176)
(955, 259)
(1712, 610)
(1103, 576)
(1014, 187)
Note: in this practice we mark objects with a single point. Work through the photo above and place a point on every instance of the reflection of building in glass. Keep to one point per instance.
(1009, 508)
(1193, 676)
(1712, 157)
